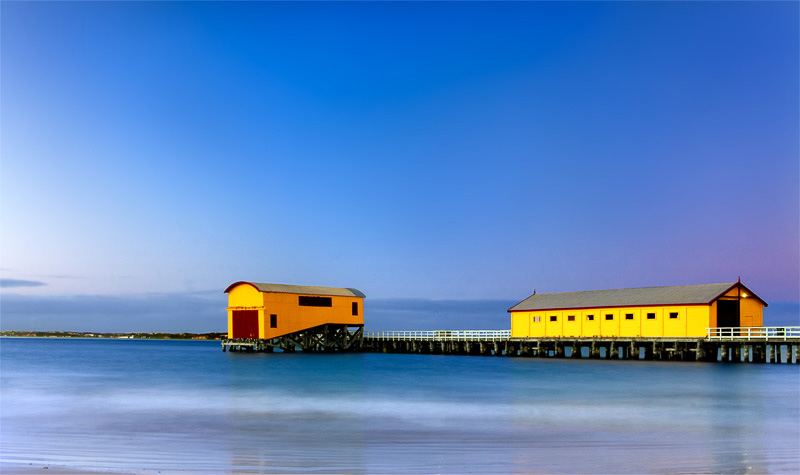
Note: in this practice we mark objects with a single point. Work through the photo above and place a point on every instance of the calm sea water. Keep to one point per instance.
(185, 407)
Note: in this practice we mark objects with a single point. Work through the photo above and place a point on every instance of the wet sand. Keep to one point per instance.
(30, 469)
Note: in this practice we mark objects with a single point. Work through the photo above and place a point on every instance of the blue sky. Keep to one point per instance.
(418, 151)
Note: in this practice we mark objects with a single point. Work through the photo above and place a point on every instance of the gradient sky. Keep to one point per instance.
(412, 150)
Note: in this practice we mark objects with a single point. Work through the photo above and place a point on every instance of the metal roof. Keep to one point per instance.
(301, 289)
(673, 295)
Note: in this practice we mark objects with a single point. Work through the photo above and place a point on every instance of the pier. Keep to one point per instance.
(729, 344)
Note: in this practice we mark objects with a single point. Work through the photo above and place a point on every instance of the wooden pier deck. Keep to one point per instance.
(745, 344)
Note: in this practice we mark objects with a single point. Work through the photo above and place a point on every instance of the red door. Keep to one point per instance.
(245, 323)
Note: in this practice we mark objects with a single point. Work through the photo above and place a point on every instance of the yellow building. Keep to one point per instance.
(268, 311)
(677, 311)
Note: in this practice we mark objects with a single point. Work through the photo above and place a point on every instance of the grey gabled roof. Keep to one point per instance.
(301, 289)
(673, 295)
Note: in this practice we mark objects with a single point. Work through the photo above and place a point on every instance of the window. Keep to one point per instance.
(571, 318)
(537, 319)
(355, 308)
(628, 316)
(273, 321)
(590, 317)
(673, 315)
(553, 318)
(609, 316)
(306, 301)
(651, 316)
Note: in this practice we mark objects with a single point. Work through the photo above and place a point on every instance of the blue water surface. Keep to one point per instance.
(144, 406)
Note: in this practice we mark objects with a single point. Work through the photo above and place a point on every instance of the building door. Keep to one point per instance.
(245, 323)
(728, 313)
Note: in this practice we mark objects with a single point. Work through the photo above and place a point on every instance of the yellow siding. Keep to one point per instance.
(697, 320)
(555, 328)
(629, 327)
(609, 326)
(537, 324)
(290, 315)
(691, 320)
(751, 312)
(245, 295)
(674, 327)
(734, 292)
(590, 327)
(652, 321)
(520, 324)
(574, 327)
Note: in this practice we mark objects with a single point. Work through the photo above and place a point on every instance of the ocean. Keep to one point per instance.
(185, 407)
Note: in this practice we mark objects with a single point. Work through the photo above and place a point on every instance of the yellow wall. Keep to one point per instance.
(698, 319)
(591, 327)
(244, 297)
(692, 320)
(520, 323)
(751, 312)
(572, 328)
(609, 327)
(291, 317)
(553, 323)
(630, 327)
(534, 322)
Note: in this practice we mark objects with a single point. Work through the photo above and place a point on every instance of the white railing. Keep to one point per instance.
(753, 333)
(452, 335)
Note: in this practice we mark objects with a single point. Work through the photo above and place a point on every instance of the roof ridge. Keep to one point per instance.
(631, 288)
(634, 296)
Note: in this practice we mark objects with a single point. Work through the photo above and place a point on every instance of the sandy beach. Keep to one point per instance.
(29, 469)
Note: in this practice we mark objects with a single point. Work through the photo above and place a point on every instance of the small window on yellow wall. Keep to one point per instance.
(537, 319)
(273, 321)
(609, 316)
(673, 315)
(628, 316)
(571, 318)
(651, 316)
(590, 317)
(553, 318)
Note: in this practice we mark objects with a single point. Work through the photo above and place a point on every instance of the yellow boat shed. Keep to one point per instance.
(266, 311)
(675, 311)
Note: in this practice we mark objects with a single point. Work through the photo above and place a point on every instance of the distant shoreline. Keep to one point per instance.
(117, 336)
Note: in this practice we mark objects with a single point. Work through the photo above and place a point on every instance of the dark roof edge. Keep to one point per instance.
(228, 289)
(299, 289)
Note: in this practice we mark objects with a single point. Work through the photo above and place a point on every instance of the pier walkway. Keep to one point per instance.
(736, 344)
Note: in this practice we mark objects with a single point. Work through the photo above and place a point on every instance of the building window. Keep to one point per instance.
(273, 321)
(609, 316)
(355, 308)
(673, 315)
(537, 319)
(590, 317)
(628, 316)
(553, 318)
(306, 301)
(571, 318)
(651, 316)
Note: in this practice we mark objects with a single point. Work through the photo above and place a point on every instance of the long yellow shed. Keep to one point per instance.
(675, 311)
(266, 311)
